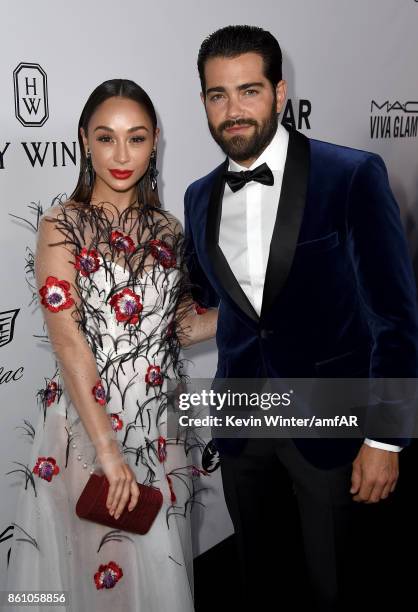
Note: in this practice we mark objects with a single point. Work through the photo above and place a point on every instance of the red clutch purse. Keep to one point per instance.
(91, 506)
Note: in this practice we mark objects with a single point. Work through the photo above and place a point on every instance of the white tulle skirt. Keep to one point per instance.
(54, 550)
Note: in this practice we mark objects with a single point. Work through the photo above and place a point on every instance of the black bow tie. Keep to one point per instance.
(261, 174)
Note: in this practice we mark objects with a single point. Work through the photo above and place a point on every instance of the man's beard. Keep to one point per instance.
(241, 148)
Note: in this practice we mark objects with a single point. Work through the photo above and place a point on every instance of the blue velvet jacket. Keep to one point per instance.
(339, 297)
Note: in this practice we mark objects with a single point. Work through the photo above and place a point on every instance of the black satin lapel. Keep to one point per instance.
(224, 274)
(289, 217)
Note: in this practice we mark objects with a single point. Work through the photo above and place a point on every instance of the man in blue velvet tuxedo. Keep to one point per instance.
(300, 245)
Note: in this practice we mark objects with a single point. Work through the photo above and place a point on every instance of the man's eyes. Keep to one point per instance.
(216, 97)
(246, 92)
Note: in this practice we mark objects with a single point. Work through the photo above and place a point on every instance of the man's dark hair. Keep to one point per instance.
(237, 39)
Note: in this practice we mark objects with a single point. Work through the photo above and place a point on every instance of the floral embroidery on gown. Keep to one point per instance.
(128, 282)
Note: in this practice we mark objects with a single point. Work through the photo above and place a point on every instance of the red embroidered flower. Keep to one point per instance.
(196, 472)
(172, 494)
(127, 306)
(46, 468)
(116, 422)
(50, 393)
(87, 262)
(108, 575)
(162, 449)
(199, 309)
(162, 253)
(153, 375)
(122, 242)
(99, 393)
(56, 294)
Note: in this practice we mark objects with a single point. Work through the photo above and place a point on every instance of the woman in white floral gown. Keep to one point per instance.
(111, 283)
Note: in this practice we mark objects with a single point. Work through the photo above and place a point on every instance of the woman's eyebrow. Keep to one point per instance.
(132, 129)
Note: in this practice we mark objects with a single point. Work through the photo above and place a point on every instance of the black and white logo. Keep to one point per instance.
(7, 325)
(31, 94)
(393, 119)
(210, 457)
(296, 114)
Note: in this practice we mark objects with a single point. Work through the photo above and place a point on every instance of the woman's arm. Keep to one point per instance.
(196, 323)
(56, 280)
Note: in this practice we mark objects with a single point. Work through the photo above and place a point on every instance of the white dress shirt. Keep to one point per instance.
(247, 223)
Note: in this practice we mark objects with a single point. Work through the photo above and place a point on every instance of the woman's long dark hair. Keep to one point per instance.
(122, 88)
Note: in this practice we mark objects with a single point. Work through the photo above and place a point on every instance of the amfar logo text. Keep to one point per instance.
(31, 94)
(297, 117)
(394, 119)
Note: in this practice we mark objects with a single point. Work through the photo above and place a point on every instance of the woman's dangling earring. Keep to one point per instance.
(153, 172)
(89, 170)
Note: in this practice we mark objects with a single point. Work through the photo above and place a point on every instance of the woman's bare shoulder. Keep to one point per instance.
(61, 209)
(167, 218)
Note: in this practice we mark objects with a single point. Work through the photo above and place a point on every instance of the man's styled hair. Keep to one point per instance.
(237, 39)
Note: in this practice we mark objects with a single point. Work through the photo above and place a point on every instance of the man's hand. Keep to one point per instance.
(375, 474)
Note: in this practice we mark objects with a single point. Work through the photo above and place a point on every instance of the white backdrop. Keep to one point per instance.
(353, 61)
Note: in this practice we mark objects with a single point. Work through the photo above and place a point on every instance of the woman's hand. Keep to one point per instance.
(196, 325)
(122, 481)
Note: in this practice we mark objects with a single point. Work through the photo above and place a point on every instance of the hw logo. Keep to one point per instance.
(31, 94)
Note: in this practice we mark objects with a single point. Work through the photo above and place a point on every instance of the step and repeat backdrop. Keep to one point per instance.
(351, 69)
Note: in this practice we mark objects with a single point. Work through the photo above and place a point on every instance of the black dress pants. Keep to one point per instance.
(293, 526)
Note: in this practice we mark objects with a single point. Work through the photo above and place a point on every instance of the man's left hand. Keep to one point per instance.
(375, 474)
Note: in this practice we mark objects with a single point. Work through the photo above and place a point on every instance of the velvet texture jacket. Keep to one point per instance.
(339, 297)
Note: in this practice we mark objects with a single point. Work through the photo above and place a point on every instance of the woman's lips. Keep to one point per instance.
(120, 174)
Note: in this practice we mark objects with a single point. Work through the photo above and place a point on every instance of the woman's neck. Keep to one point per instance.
(121, 200)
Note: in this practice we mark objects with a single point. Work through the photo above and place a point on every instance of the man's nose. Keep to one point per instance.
(234, 109)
